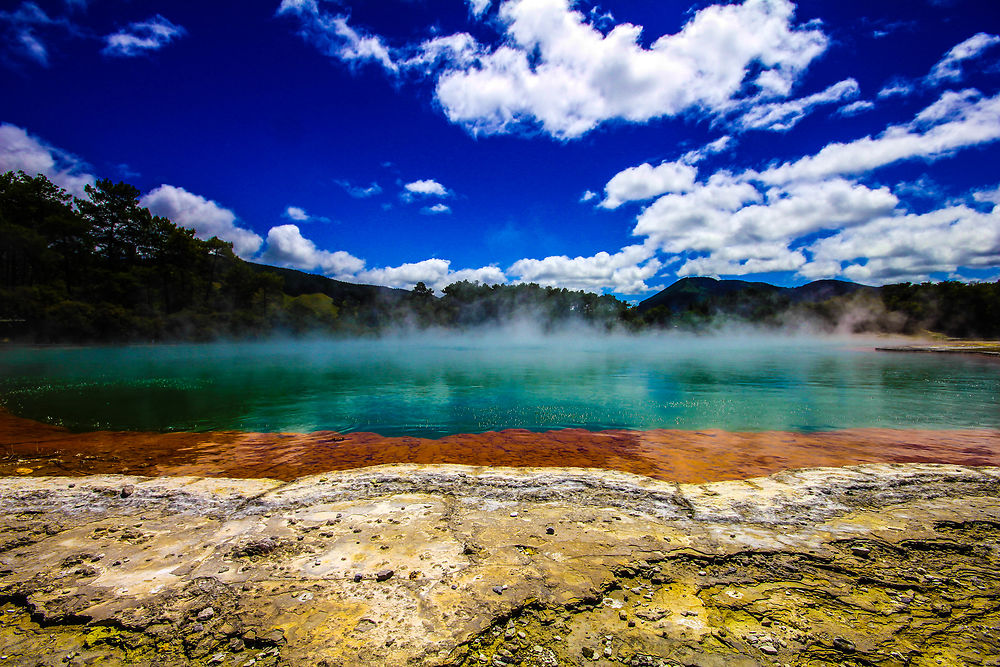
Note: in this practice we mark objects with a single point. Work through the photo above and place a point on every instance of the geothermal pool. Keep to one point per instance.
(431, 386)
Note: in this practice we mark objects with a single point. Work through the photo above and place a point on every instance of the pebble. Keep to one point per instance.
(127, 491)
(383, 575)
(550, 531)
(513, 513)
(768, 649)
(861, 552)
(358, 577)
(498, 590)
(843, 645)
(205, 614)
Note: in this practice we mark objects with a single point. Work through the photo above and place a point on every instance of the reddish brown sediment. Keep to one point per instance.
(672, 455)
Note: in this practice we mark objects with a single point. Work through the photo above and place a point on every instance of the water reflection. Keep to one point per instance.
(437, 386)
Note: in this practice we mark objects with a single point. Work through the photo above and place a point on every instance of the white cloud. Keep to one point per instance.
(587, 196)
(479, 7)
(457, 50)
(296, 213)
(991, 196)
(335, 37)
(287, 247)
(22, 26)
(647, 181)
(558, 71)
(949, 68)
(205, 217)
(896, 88)
(809, 216)
(359, 191)
(568, 72)
(427, 187)
(746, 260)
(19, 151)
(732, 219)
(910, 247)
(711, 148)
(782, 116)
(625, 271)
(436, 209)
(957, 120)
(435, 273)
(855, 108)
(142, 37)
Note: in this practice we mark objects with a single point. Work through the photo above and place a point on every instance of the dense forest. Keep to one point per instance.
(103, 268)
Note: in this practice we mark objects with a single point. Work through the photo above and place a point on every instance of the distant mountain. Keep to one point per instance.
(297, 283)
(693, 292)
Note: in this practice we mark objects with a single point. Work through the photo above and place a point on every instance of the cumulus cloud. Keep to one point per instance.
(205, 217)
(992, 196)
(625, 271)
(782, 116)
(358, 191)
(949, 68)
(299, 214)
(587, 196)
(647, 181)
(427, 187)
(815, 217)
(19, 151)
(567, 72)
(436, 209)
(559, 72)
(287, 247)
(142, 37)
(296, 213)
(910, 247)
(731, 218)
(435, 273)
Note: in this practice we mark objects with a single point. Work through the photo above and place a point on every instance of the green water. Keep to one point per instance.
(436, 386)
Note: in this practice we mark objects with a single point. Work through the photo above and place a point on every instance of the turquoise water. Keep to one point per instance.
(431, 386)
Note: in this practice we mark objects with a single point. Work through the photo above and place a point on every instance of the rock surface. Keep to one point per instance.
(886, 564)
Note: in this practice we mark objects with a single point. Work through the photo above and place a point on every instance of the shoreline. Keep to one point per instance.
(975, 347)
(488, 567)
(31, 448)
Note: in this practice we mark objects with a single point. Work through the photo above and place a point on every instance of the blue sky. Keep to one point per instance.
(611, 146)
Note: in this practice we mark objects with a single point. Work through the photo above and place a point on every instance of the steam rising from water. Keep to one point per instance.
(435, 383)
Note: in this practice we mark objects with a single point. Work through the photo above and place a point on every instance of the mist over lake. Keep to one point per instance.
(431, 386)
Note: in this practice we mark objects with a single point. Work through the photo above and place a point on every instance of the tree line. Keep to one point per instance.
(104, 269)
